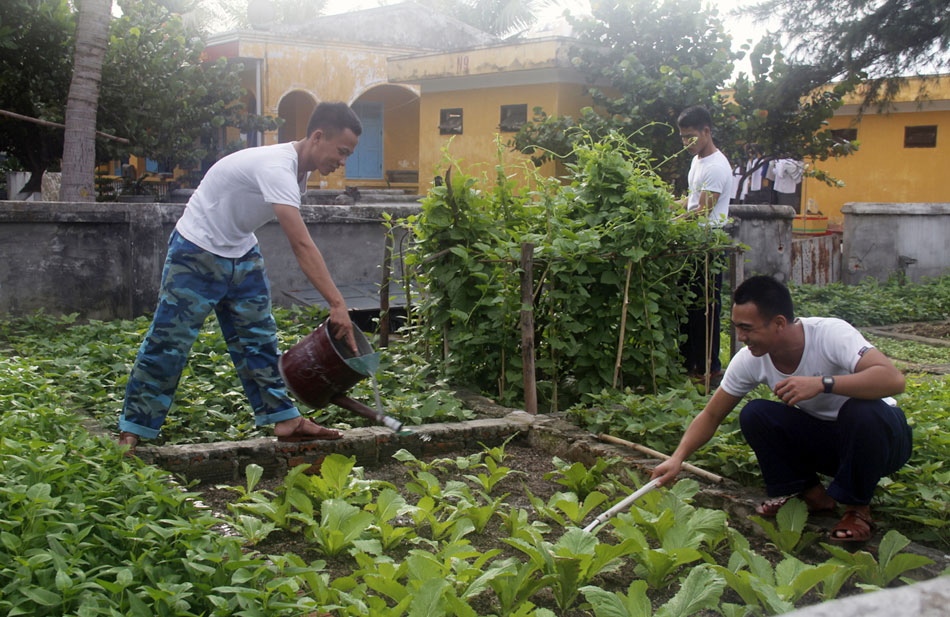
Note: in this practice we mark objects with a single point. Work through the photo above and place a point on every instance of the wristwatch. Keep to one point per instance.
(828, 382)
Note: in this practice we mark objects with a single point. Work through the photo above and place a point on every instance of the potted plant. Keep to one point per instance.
(135, 189)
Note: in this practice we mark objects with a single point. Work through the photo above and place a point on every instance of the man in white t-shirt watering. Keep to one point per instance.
(835, 418)
(710, 189)
(214, 263)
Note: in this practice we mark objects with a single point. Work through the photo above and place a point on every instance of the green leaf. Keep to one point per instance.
(700, 591)
(427, 600)
(39, 492)
(634, 603)
(254, 472)
(43, 597)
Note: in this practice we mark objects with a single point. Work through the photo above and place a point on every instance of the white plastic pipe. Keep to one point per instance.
(624, 504)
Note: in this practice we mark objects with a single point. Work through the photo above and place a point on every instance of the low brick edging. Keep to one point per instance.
(225, 461)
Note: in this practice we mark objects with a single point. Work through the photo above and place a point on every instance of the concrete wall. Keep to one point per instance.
(767, 231)
(881, 239)
(104, 260)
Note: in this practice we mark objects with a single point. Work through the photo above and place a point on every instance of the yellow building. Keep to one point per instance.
(289, 69)
(904, 152)
(416, 78)
(470, 96)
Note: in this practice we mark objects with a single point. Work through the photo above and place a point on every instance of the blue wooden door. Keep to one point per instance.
(366, 162)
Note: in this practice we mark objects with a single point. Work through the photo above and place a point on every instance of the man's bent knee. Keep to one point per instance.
(751, 414)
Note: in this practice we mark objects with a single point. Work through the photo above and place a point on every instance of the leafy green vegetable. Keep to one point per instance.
(788, 532)
(578, 478)
(878, 574)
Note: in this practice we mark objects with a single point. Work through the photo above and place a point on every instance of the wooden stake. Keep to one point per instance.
(702, 473)
(708, 329)
(384, 290)
(623, 322)
(527, 328)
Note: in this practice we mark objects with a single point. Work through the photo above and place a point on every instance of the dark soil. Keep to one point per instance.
(937, 330)
(535, 464)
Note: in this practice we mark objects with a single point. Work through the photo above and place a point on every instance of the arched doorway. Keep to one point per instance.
(388, 150)
(294, 109)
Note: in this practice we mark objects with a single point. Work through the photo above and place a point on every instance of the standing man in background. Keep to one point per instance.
(710, 188)
(214, 263)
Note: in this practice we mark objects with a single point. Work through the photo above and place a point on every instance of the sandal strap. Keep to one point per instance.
(858, 514)
(849, 524)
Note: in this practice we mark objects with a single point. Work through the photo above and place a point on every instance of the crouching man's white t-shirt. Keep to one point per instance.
(832, 347)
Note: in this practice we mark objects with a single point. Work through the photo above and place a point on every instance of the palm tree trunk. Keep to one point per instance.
(79, 149)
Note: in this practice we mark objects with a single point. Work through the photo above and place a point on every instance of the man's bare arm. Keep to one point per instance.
(707, 201)
(700, 430)
(313, 265)
(875, 376)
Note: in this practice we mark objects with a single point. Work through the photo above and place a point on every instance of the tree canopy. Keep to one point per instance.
(156, 91)
(159, 93)
(36, 52)
(781, 110)
(647, 60)
(884, 39)
(224, 15)
(502, 18)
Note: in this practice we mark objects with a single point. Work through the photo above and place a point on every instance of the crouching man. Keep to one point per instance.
(835, 418)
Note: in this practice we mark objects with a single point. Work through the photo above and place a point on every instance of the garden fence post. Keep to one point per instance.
(384, 290)
(735, 256)
(623, 323)
(527, 328)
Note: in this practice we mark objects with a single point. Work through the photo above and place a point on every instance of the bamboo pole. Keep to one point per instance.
(56, 125)
(702, 473)
(384, 290)
(646, 309)
(407, 284)
(733, 272)
(527, 328)
(623, 322)
(707, 339)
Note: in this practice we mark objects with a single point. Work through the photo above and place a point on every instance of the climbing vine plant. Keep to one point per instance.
(606, 242)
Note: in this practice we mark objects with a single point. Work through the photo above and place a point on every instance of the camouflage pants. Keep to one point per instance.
(194, 282)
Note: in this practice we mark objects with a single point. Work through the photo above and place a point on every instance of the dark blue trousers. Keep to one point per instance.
(869, 440)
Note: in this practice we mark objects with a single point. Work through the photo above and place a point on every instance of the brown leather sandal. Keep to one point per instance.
(856, 525)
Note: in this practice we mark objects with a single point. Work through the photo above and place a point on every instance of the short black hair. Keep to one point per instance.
(334, 117)
(695, 117)
(771, 297)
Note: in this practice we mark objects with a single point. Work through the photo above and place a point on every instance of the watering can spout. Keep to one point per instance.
(367, 412)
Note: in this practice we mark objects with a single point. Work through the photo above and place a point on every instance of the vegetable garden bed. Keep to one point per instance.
(496, 531)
